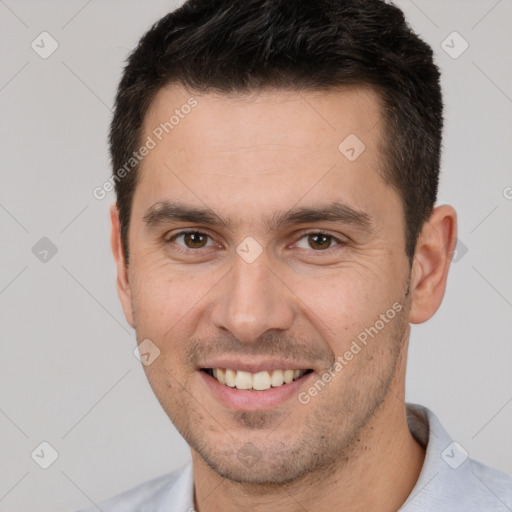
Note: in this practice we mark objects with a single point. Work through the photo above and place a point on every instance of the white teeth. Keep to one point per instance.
(288, 376)
(259, 381)
(243, 380)
(230, 378)
(277, 378)
(220, 376)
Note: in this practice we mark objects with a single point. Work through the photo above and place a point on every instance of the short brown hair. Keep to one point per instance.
(243, 45)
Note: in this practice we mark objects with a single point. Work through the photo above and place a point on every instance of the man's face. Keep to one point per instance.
(262, 283)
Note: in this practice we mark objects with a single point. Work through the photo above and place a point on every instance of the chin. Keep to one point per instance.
(274, 465)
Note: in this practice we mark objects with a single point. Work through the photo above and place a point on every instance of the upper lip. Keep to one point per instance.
(254, 366)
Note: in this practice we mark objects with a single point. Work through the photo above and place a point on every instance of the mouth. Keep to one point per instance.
(259, 381)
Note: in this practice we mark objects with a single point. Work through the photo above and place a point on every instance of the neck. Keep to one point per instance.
(378, 474)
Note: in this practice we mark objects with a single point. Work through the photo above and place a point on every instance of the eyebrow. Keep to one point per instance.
(164, 212)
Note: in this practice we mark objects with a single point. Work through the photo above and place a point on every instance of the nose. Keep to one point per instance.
(252, 300)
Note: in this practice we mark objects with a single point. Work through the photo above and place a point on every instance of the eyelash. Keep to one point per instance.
(182, 249)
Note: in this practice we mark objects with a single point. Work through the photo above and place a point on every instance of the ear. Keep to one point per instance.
(122, 283)
(434, 251)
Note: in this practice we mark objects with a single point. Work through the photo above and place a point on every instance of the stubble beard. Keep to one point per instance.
(332, 433)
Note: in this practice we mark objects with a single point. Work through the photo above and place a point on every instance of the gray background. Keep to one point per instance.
(67, 372)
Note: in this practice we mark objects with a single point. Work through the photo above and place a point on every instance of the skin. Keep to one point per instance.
(246, 158)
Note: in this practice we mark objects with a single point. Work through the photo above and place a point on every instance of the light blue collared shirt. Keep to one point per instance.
(449, 480)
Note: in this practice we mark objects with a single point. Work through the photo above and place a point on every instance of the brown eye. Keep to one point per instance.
(317, 241)
(192, 239)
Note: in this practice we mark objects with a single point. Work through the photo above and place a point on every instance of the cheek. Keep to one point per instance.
(168, 300)
(341, 304)
(166, 306)
(158, 289)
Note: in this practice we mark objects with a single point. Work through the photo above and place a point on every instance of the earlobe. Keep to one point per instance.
(434, 250)
(122, 282)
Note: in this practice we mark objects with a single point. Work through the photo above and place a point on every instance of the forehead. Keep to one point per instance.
(276, 147)
(218, 118)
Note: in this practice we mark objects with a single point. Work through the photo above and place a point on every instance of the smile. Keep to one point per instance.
(259, 381)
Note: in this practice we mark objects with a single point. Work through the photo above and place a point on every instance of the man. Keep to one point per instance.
(276, 166)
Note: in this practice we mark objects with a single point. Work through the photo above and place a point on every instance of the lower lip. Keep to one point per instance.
(246, 400)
